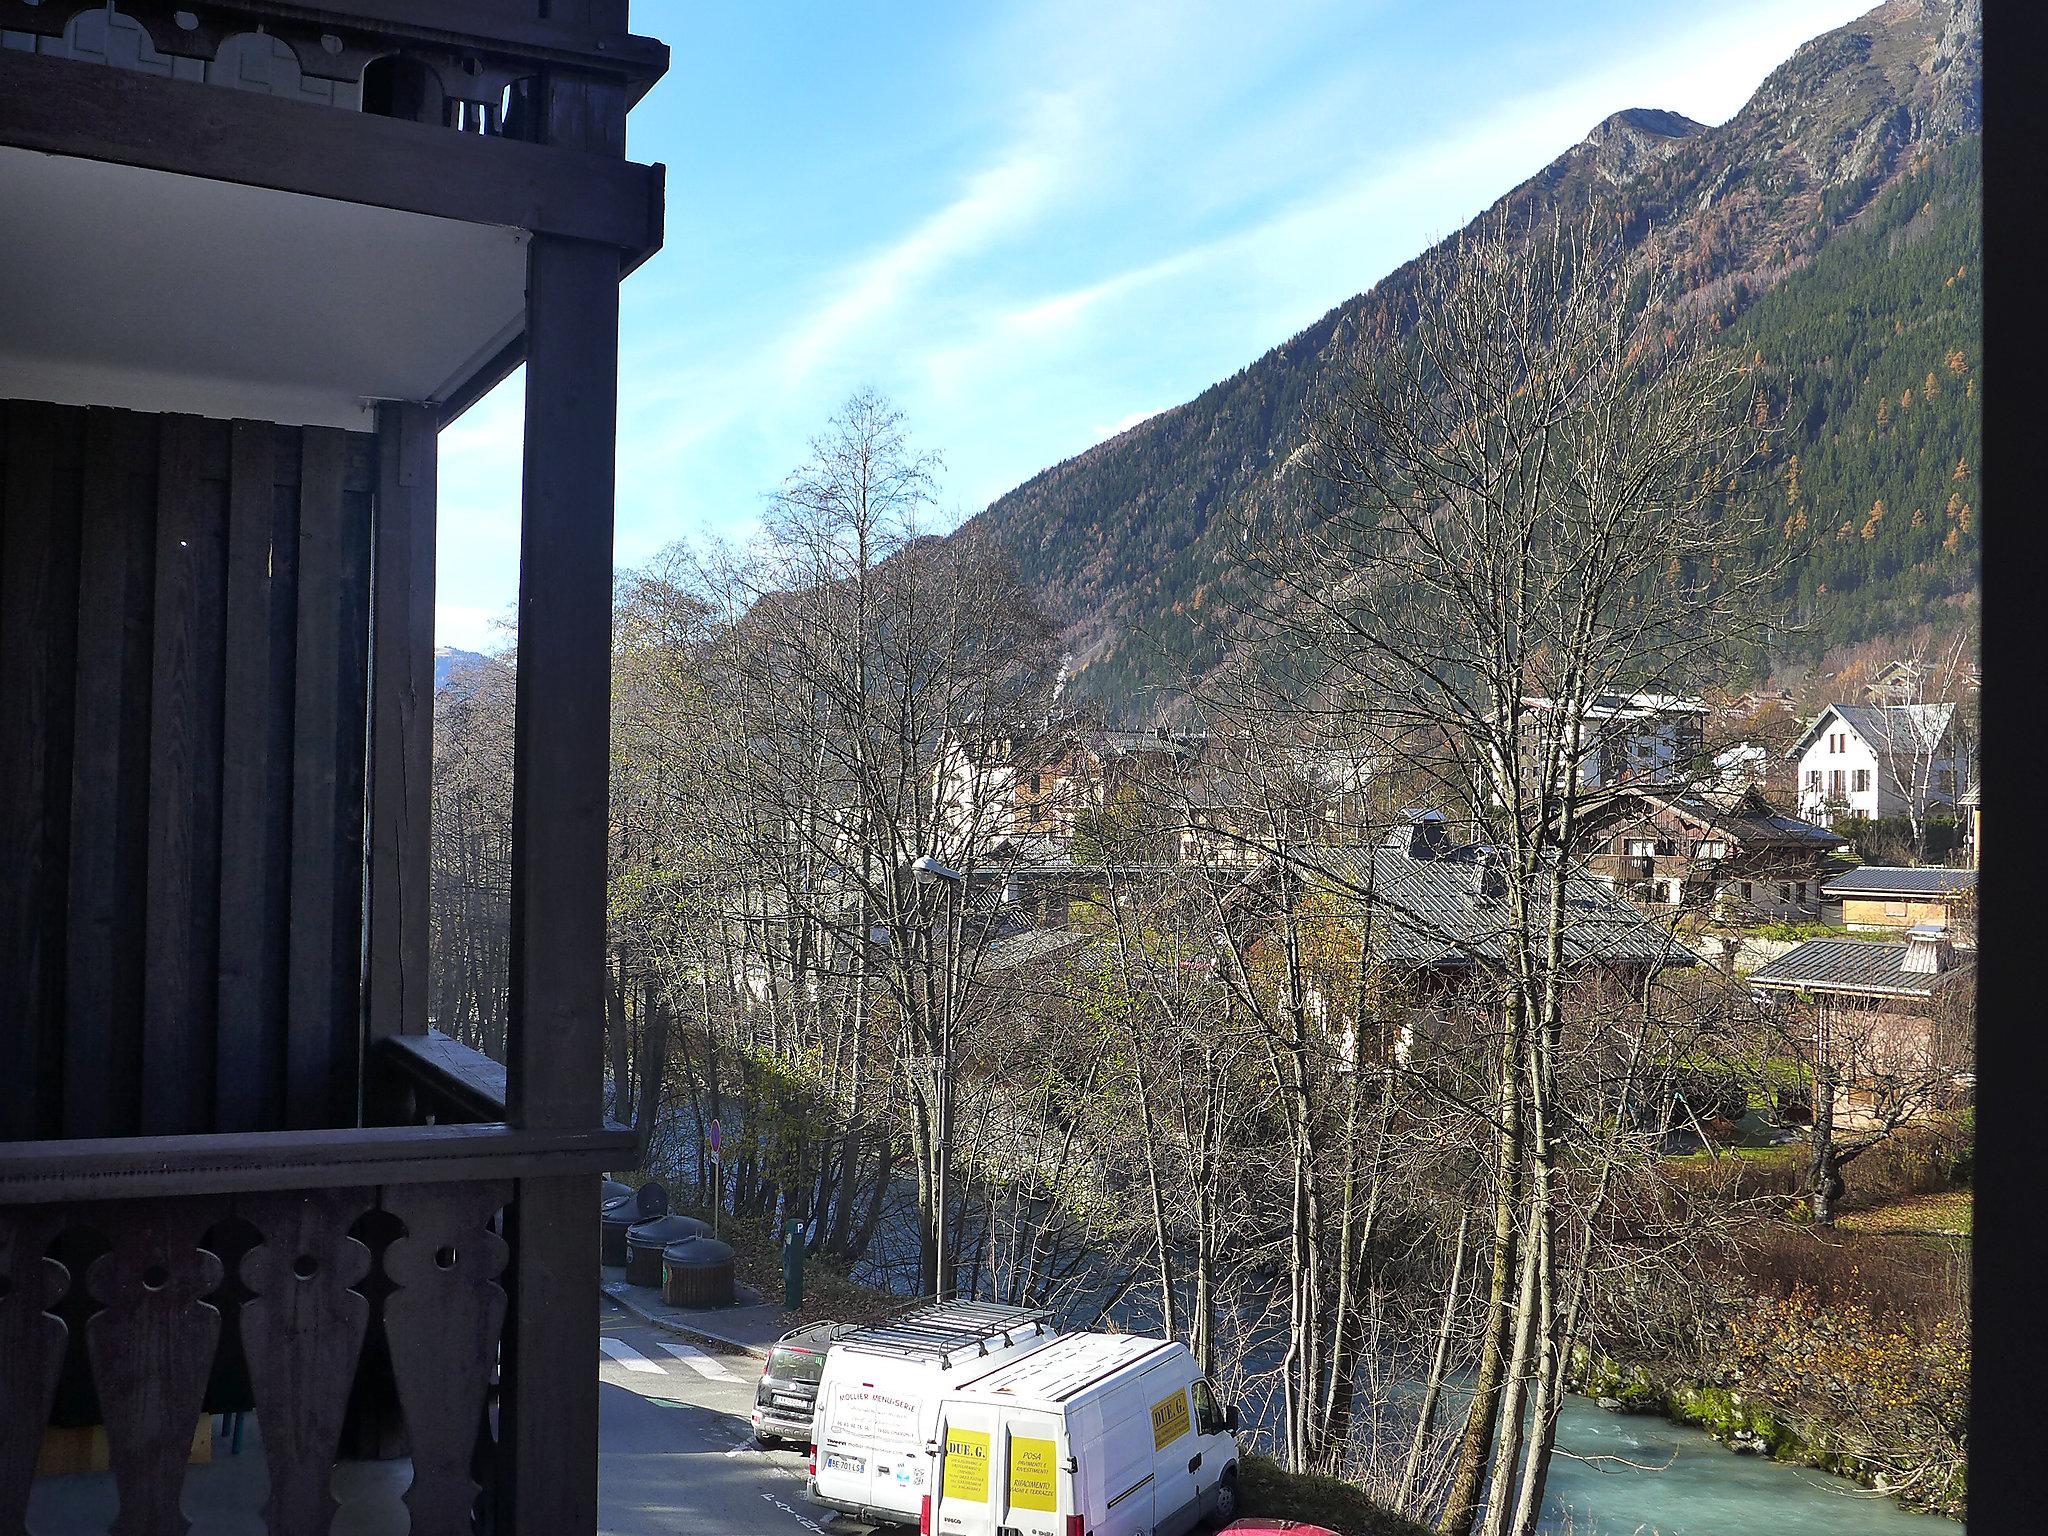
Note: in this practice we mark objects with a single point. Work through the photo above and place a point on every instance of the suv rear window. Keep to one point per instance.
(796, 1365)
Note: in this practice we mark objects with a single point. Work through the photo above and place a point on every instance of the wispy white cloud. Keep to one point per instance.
(1001, 199)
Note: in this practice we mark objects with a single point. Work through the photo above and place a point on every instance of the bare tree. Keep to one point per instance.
(1876, 1065)
(1926, 733)
(1518, 508)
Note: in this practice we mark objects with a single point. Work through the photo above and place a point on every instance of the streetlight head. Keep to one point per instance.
(927, 868)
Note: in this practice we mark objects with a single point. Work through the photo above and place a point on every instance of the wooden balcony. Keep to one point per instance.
(237, 1172)
(350, 1287)
(180, 240)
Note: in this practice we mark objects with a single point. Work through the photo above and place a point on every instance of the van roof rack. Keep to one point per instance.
(938, 1330)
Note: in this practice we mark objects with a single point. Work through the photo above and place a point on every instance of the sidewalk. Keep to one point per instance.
(753, 1326)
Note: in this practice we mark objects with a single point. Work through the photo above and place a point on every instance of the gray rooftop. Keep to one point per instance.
(1846, 965)
(1899, 880)
(1443, 909)
(1889, 727)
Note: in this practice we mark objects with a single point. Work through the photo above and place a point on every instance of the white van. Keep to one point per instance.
(1097, 1434)
(878, 1399)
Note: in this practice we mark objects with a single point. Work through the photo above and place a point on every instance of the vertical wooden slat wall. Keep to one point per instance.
(184, 631)
(39, 487)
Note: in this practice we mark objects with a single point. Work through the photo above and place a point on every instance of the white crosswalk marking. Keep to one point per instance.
(700, 1362)
(627, 1355)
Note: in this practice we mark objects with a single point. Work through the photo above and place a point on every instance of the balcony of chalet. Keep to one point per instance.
(254, 255)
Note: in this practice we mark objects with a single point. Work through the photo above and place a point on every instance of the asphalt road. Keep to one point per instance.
(676, 1452)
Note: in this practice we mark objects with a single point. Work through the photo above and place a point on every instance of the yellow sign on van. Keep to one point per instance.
(967, 1464)
(1169, 1420)
(1031, 1475)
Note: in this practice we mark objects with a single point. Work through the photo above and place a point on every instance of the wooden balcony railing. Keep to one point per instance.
(147, 1280)
(459, 63)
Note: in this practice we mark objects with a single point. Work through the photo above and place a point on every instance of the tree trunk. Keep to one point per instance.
(1432, 1386)
(1461, 1506)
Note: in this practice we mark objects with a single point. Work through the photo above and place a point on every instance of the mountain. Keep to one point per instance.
(450, 663)
(1817, 224)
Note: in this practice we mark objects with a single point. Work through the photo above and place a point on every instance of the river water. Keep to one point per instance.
(1707, 1490)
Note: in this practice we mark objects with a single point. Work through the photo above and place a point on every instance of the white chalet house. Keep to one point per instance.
(1876, 760)
(1631, 738)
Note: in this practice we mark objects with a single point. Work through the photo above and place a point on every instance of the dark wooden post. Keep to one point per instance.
(561, 760)
(401, 721)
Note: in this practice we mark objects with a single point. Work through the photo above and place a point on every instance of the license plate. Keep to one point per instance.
(785, 1400)
(840, 1463)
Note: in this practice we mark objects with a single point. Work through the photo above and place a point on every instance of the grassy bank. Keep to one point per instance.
(1270, 1490)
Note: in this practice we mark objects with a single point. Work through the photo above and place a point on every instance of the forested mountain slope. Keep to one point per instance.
(1832, 225)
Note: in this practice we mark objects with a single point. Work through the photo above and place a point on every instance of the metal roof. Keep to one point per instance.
(1848, 965)
(1899, 880)
(1450, 910)
(1025, 945)
(1067, 1367)
(1884, 726)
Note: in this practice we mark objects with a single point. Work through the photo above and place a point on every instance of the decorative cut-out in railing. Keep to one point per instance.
(162, 1294)
(303, 1334)
(32, 1340)
(298, 59)
(443, 1323)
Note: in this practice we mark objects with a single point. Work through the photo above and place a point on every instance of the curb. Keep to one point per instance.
(628, 1302)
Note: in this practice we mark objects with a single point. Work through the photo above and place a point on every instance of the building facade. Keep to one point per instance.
(1896, 898)
(1877, 761)
(1732, 856)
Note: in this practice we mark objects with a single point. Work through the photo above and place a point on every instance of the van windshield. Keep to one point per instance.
(796, 1365)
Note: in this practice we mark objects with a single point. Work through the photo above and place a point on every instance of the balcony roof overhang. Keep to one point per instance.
(175, 246)
(158, 292)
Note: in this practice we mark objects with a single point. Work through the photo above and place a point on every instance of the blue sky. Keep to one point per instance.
(1033, 224)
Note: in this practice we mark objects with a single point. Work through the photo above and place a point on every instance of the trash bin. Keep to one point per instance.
(612, 1190)
(619, 1214)
(624, 1207)
(646, 1239)
(697, 1272)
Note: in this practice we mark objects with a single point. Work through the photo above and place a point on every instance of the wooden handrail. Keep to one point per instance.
(450, 1070)
(145, 1167)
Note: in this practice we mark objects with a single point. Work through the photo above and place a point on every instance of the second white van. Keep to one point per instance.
(1096, 1434)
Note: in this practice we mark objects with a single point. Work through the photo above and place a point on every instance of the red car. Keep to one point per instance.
(1268, 1525)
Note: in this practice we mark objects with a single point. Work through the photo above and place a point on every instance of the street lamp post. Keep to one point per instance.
(929, 871)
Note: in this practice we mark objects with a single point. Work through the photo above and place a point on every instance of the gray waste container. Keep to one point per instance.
(697, 1272)
(623, 1211)
(645, 1241)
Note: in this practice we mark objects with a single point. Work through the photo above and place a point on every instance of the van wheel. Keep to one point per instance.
(1226, 1498)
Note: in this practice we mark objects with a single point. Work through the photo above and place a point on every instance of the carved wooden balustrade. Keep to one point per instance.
(144, 1281)
(467, 66)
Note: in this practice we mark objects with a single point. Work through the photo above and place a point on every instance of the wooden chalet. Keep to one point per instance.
(254, 255)
(1735, 854)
